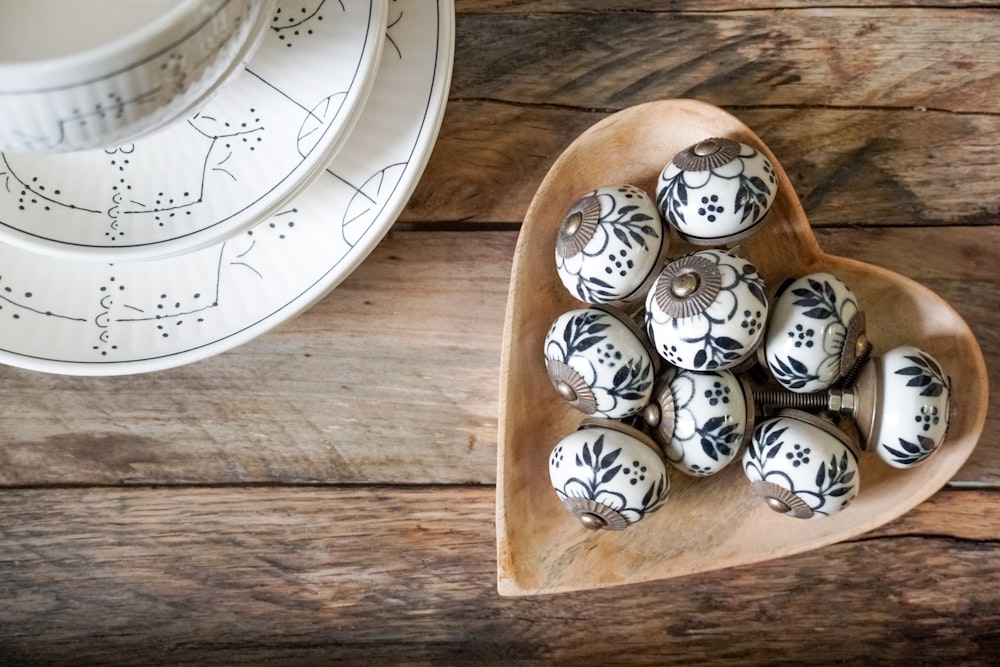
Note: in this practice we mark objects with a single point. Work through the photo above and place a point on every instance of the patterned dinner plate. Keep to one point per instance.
(108, 318)
(268, 133)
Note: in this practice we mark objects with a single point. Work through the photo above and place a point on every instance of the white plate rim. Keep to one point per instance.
(335, 136)
(428, 125)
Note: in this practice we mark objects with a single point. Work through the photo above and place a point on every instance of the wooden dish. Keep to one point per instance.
(707, 523)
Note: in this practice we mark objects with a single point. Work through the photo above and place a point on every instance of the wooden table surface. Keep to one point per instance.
(326, 492)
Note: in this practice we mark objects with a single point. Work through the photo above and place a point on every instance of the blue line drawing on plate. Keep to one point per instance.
(175, 76)
(161, 313)
(369, 198)
(288, 23)
(395, 16)
(18, 304)
(236, 155)
(360, 212)
(167, 311)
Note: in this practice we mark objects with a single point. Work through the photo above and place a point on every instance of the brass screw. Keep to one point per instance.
(685, 284)
(566, 391)
(778, 505)
(837, 401)
(706, 147)
(592, 521)
(572, 224)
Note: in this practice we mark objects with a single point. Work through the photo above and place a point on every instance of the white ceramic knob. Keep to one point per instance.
(911, 421)
(716, 191)
(610, 241)
(707, 311)
(600, 362)
(700, 419)
(608, 474)
(815, 333)
(901, 404)
(801, 465)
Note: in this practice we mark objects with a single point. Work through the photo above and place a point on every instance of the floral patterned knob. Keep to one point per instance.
(907, 420)
(901, 404)
(815, 334)
(608, 474)
(600, 362)
(707, 311)
(716, 191)
(801, 465)
(610, 241)
(700, 419)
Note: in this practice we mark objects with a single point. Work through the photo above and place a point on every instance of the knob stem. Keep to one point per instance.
(836, 401)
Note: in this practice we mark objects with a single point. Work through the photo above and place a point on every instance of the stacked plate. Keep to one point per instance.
(234, 219)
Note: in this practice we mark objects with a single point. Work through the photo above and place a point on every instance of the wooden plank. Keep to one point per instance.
(963, 255)
(859, 167)
(381, 381)
(300, 575)
(242, 552)
(898, 129)
(351, 391)
(898, 57)
(682, 6)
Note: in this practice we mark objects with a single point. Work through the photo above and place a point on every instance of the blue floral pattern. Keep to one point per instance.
(593, 470)
(616, 235)
(924, 372)
(825, 477)
(726, 332)
(606, 358)
(709, 421)
(923, 399)
(909, 453)
(720, 202)
(807, 336)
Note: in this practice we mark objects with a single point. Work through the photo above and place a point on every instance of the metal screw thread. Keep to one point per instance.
(836, 401)
(789, 399)
(863, 356)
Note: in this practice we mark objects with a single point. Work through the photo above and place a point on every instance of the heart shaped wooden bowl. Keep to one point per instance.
(706, 523)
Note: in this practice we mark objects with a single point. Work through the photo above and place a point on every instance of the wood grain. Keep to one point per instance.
(351, 391)
(299, 419)
(388, 576)
(684, 6)
(876, 134)
(885, 116)
(861, 167)
(778, 57)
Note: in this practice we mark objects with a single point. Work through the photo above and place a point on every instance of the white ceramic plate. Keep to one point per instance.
(268, 133)
(99, 318)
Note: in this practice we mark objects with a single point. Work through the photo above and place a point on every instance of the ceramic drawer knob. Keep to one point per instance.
(608, 474)
(700, 419)
(600, 362)
(609, 243)
(911, 420)
(901, 404)
(716, 192)
(801, 465)
(707, 311)
(815, 334)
